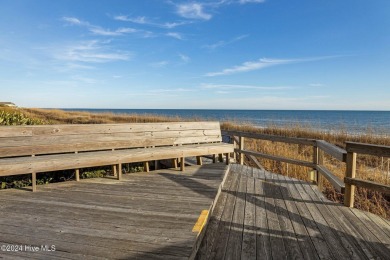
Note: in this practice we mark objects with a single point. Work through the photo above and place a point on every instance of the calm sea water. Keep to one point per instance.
(377, 122)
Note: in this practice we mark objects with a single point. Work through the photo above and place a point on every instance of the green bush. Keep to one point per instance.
(17, 118)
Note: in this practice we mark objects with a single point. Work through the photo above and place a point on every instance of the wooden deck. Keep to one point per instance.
(257, 215)
(144, 216)
(261, 215)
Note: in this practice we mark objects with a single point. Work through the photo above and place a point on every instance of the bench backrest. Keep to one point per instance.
(50, 139)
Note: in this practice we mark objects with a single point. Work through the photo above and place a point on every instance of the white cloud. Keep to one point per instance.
(184, 58)
(97, 30)
(73, 20)
(250, 1)
(89, 52)
(263, 63)
(175, 35)
(224, 87)
(146, 21)
(170, 90)
(224, 43)
(159, 64)
(193, 11)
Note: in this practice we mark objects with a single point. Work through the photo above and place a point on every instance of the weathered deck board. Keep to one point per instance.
(291, 219)
(145, 216)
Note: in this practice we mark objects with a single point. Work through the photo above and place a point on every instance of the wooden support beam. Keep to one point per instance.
(227, 159)
(241, 156)
(349, 195)
(146, 166)
(182, 164)
(77, 173)
(320, 161)
(214, 158)
(34, 181)
(220, 157)
(119, 171)
(234, 146)
(174, 163)
(198, 160)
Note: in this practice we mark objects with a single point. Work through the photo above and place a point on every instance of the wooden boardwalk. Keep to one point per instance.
(261, 215)
(257, 215)
(144, 216)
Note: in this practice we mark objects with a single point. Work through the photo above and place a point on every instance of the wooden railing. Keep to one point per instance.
(353, 149)
(319, 148)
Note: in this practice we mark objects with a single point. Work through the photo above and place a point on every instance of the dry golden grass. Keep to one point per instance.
(369, 167)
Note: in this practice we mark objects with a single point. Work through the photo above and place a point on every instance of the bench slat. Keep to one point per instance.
(77, 129)
(13, 166)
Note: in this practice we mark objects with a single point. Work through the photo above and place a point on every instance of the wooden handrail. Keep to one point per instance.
(333, 150)
(319, 146)
(350, 175)
(348, 156)
(370, 149)
(274, 138)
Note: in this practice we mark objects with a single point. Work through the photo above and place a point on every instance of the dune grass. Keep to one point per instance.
(369, 167)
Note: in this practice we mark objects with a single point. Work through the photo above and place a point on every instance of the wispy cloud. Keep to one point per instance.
(224, 43)
(175, 35)
(184, 58)
(159, 64)
(97, 30)
(193, 11)
(89, 52)
(263, 63)
(250, 1)
(175, 90)
(232, 87)
(147, 21)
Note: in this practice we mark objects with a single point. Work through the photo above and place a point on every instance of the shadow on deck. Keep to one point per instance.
(261, 215)
(257, 215)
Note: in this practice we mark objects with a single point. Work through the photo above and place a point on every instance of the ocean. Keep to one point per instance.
(354, 122)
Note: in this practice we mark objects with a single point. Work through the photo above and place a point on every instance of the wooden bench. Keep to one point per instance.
(34, 149)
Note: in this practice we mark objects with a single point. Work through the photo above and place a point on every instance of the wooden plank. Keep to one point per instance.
(278, 247)
(333, 179)
(273, 138)
(205, 240)
(371, 149)
(310, 223)
(263, 247)
(368, 184)
(69, 129)
(289, 237)
(219, 249)
(377, 249)
(88, 137)
(83, 160)
(40, 148)
(234, 244)
(345, 245)
(248, 250)
(278, 158)
(304, 240)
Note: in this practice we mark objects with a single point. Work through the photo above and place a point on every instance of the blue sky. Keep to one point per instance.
(227, 54)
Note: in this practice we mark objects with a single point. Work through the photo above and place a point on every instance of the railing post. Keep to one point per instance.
(234, 146)
(317, 160)
(349, 195)
(241, 148)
